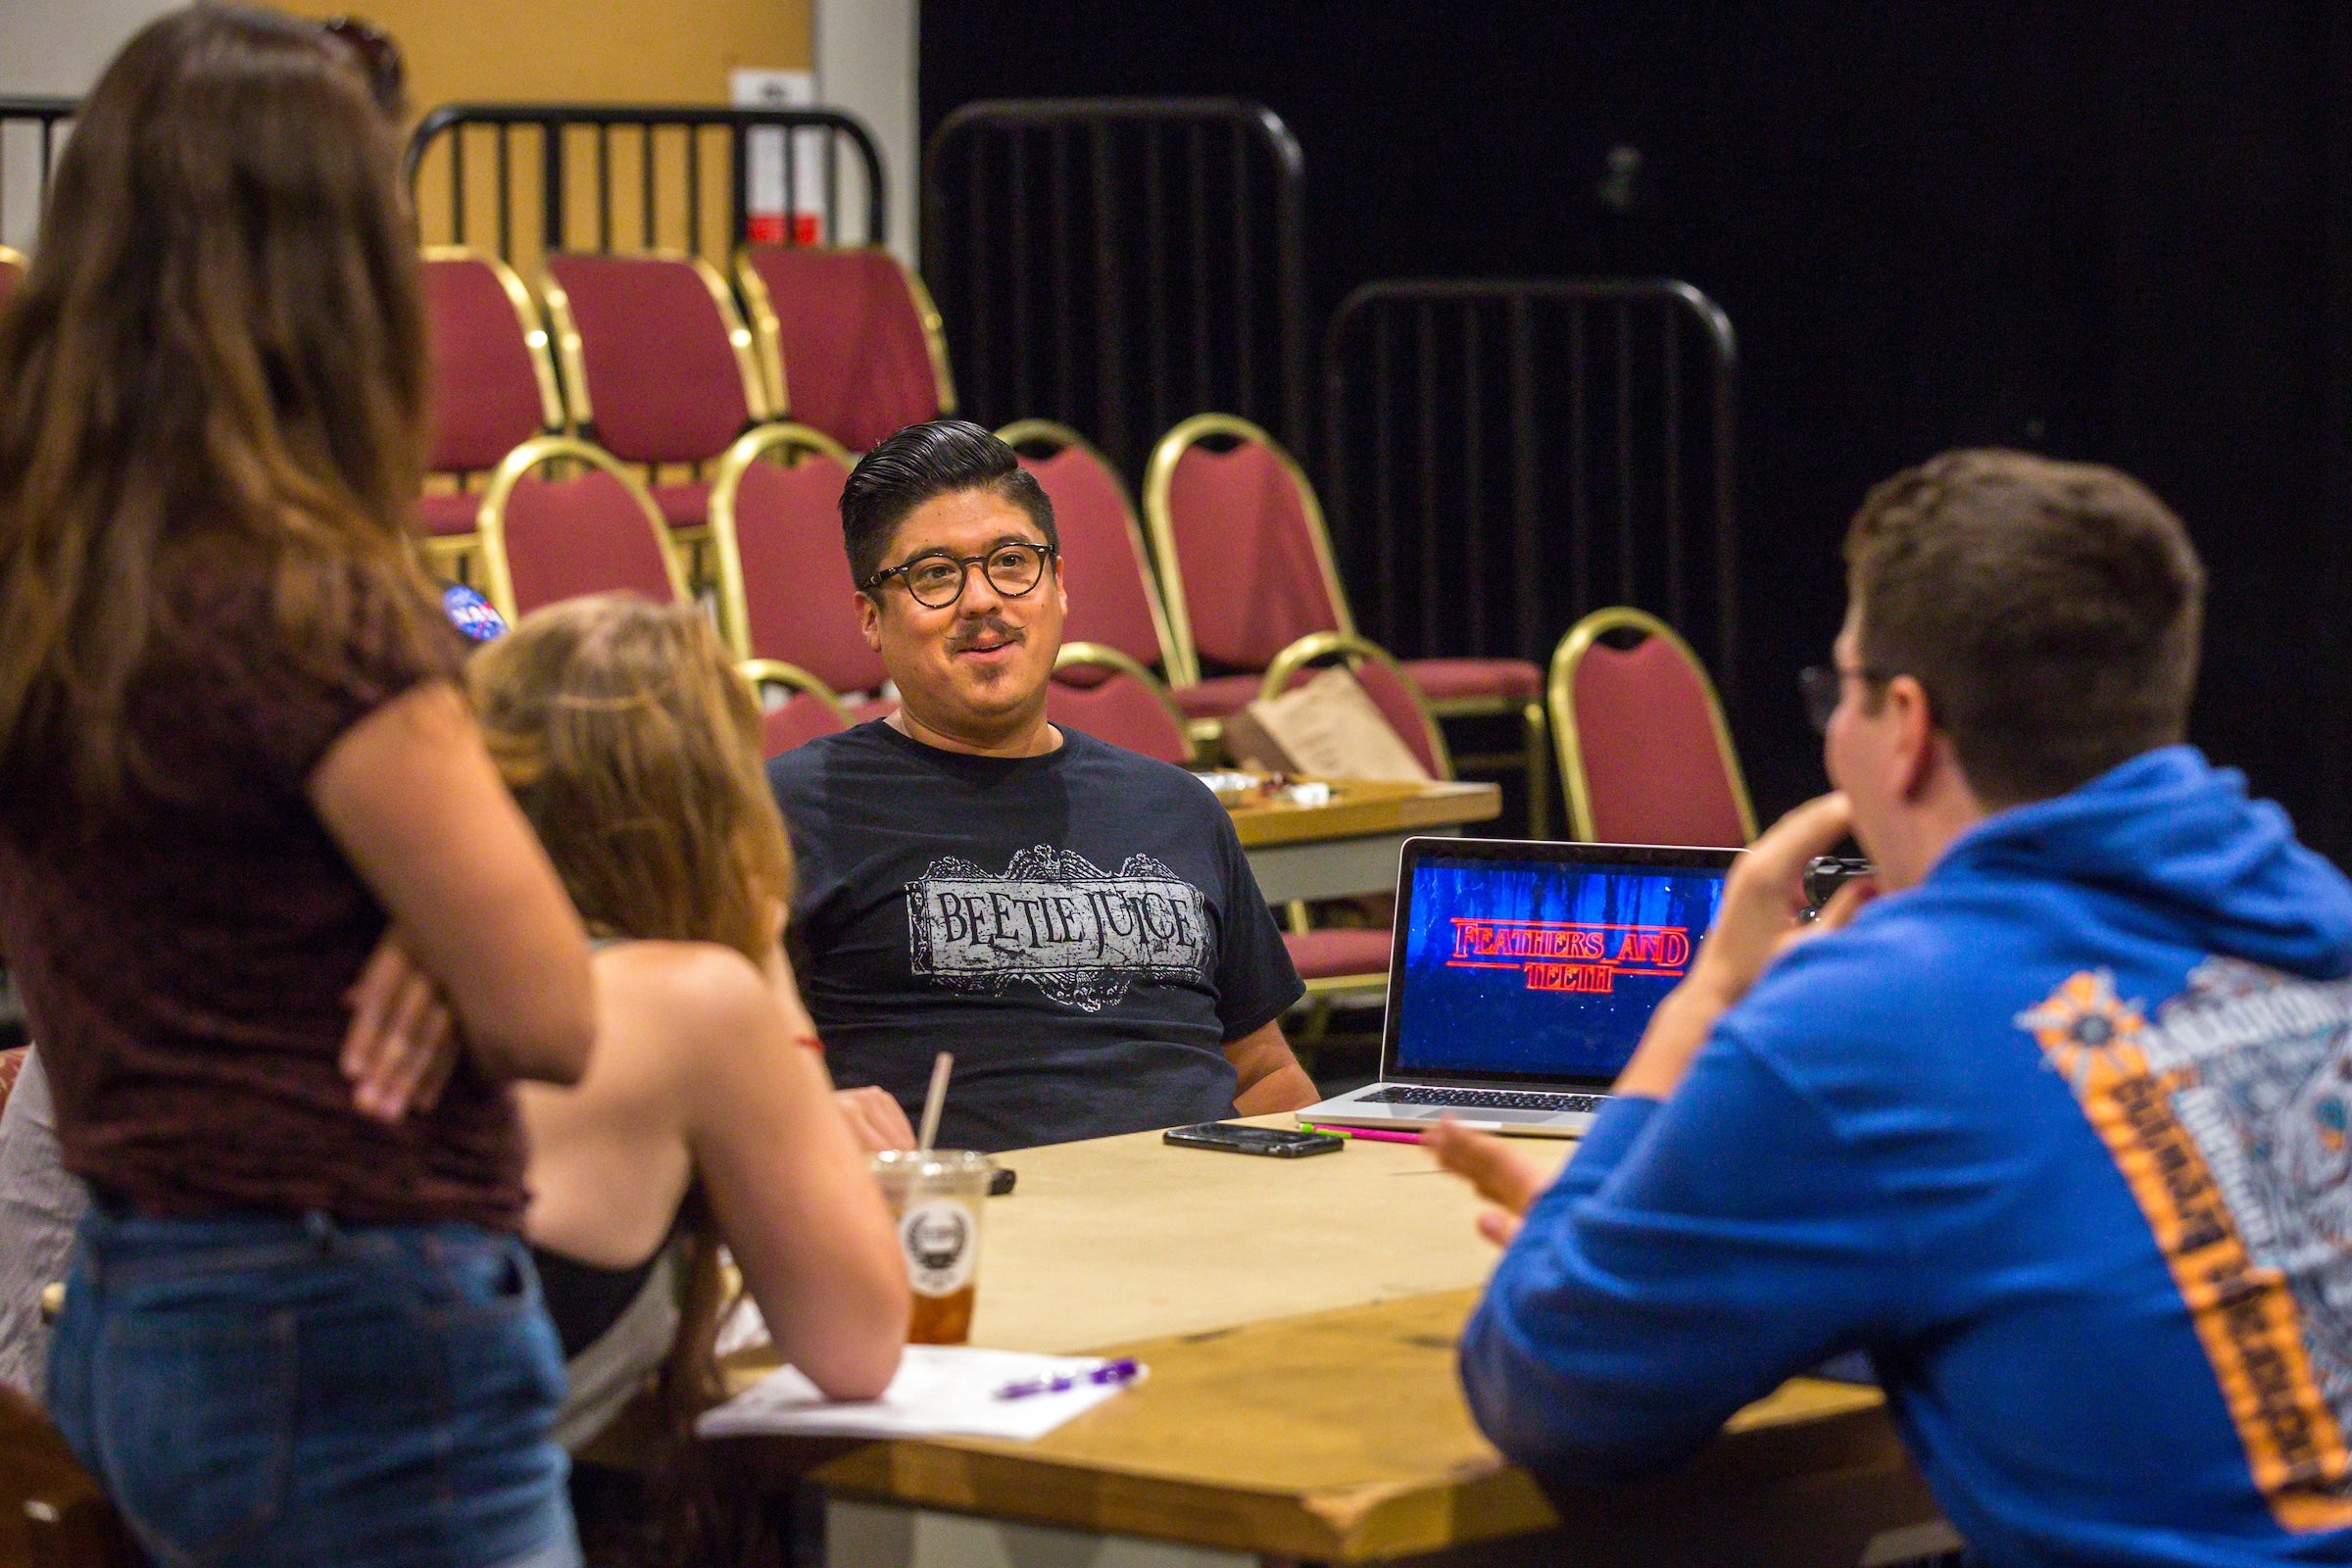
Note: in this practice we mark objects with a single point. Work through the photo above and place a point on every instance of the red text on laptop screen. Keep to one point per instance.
(1565, 956)
(1540, 969)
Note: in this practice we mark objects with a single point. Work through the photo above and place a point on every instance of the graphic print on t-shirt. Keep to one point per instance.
(2231, 1117)
(1054, 920)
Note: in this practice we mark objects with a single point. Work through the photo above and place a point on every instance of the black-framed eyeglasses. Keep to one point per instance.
(1823, 685)
(936, 581)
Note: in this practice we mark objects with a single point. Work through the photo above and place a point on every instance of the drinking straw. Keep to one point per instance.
(936, 1100)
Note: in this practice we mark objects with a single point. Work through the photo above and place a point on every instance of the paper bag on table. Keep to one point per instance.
(1327, 728)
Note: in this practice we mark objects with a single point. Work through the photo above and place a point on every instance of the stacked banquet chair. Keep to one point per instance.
(784, 588)
(1246, 568)
(1646, 755)
(561, 519)
(1337, 960)
(1099, 691)
(849, 339)
(492, 388)
(1114, 601)
(805, 708)
(659, 368)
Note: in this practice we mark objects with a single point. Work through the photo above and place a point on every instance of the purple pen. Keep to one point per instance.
(1124, 1370)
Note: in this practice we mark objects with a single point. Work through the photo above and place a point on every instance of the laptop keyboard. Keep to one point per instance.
(1482, 1099)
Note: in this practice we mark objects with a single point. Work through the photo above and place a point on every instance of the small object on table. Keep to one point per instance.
(1123, 1371)
(939, 1390)
(1369, 1135)
(1240, 1138)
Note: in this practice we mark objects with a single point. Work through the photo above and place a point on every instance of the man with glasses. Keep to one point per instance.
(1075, 923)
(2054, 1124)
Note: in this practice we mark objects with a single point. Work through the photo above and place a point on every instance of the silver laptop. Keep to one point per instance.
(1522, 976)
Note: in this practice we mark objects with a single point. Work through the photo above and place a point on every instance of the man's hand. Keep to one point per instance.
(1762, 917)
(1502, 1175)
(875, 1120)
(1764, 900)
(400, 1049)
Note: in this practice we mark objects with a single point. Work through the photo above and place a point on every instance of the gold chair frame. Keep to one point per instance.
(569, 354)
(498, 586)
(535, 338)
(1307, 649)
(1101, 655)
(1561, 693)
(734, 605)
(1047, 432)
(13, 257)
(767, 328)
(1159, 478)
(452, 551)
(759, 672)
(1533, 756)
(1321, 645)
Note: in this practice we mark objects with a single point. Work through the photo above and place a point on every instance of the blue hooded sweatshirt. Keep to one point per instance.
(2061, 1139)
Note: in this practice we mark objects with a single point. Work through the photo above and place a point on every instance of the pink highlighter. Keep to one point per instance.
(1367, 1134)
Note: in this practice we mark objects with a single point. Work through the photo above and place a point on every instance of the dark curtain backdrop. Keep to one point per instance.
(2118, 231)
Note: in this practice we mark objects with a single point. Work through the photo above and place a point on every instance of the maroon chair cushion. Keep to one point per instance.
(799, 721)
(1108, 602)
(686, 504)
(1217, 696)
(586, 535)
(486, 392)
(1336, 954)
(1252, 583)
(1648, 740)
(1396, 702)
(442, 515)
(1122, 711)
(1444, 679)
(798, 600)
(662, 379)
(855, 364)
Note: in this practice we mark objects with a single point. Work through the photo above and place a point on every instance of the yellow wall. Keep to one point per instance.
(581, 51)
(591, 51)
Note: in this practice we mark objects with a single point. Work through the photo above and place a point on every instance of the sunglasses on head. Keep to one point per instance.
(378, 59)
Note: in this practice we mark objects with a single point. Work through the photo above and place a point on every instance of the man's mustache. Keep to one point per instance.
(986, 630)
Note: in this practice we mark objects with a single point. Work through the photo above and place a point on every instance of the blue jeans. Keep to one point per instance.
(276, 1390)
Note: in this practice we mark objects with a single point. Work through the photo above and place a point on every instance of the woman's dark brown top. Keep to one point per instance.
(183, 959)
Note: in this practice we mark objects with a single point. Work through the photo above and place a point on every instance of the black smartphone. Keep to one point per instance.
(1276, 1143)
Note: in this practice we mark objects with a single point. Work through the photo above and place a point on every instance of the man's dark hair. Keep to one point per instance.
(2052, 610)
(918, 464)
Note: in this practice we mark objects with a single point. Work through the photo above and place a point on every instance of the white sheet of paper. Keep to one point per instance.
(941, 1389)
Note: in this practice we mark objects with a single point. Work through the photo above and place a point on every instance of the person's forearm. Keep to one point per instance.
(1286, 1088)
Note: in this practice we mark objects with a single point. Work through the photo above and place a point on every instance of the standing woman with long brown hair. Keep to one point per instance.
(233, 761)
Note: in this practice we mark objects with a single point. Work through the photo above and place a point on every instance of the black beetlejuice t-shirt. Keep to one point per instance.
(1081, 929)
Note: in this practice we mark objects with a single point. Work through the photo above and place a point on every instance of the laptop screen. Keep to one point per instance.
(1541, 967)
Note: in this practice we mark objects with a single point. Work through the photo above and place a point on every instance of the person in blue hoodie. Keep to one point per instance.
(2054, 1123)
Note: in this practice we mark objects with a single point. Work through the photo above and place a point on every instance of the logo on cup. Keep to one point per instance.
(937, 1235)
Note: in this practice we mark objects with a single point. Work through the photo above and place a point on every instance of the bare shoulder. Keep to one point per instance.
(693, 988)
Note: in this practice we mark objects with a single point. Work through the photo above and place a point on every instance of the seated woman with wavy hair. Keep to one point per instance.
(706, 1114)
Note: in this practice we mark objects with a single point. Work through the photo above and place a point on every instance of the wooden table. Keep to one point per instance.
(1351, 845)
(1299, 1319)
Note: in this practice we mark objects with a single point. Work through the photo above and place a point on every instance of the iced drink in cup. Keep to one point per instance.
(937, 1200)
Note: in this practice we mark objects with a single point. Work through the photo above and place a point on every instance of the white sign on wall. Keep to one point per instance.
(782, 210)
